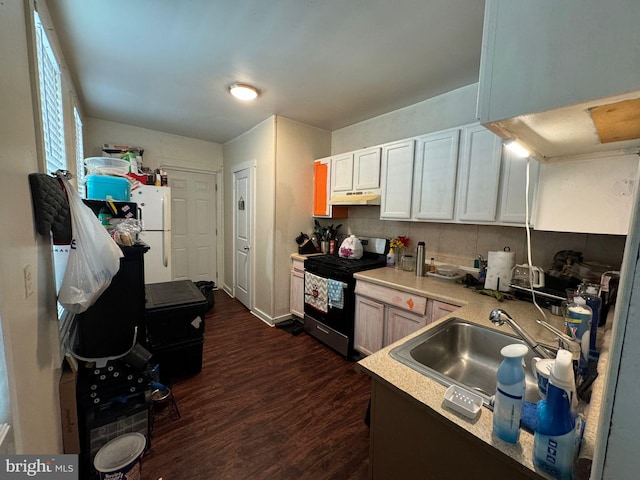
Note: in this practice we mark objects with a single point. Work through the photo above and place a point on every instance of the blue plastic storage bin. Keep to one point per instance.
(99, 187)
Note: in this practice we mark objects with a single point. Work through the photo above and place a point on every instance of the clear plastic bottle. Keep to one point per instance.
(510, 388)
(577, 321)
(432, 265)
(556, 439)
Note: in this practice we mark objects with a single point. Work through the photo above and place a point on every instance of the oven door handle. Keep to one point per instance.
(326, 332)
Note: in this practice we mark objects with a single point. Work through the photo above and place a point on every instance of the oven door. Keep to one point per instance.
(328, 316)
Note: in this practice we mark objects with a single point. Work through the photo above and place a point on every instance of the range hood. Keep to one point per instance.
(364, 197)
(610, 125)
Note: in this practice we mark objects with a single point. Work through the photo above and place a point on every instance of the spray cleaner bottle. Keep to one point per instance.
(510, 388)
(557, 436)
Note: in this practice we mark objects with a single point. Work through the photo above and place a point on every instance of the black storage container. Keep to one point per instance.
(207, 287)
(179, 359)
(106, 329)
(174, 312)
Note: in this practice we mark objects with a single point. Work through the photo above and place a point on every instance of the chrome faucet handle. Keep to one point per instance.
(499, 317)
(565, 341)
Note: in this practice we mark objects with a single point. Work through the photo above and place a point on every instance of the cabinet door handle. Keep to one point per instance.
(326, 332)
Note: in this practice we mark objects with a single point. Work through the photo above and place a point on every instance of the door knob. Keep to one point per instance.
(246, 248)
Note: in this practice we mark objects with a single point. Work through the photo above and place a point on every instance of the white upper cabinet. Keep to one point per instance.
(537, 56)
(478, 175)
(513, 188)
(359, 170)
(544, 64)
(588, 196)
(434, 178)
(366, 169)
(342, 173)
(396, 182)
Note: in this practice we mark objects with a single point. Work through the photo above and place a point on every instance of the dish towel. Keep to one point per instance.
(336, 298)
(315, 292)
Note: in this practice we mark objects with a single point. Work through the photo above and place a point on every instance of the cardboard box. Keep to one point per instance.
(69, 410)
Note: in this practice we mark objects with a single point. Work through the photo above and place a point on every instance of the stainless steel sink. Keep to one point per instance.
(463, 353)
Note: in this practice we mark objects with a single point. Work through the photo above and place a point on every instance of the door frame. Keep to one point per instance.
(250, 167)
(219, 197)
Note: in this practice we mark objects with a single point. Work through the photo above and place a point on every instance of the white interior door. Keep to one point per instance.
(242, 233)
(193, 229)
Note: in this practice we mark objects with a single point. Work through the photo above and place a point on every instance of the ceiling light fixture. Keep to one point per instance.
(517, 148)
(242, 91)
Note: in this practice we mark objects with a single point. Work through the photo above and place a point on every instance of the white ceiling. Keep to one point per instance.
(165, 65)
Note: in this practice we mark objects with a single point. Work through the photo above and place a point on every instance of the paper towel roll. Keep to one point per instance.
(499, 266)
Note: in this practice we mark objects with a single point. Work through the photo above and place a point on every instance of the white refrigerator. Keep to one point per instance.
(154, 204)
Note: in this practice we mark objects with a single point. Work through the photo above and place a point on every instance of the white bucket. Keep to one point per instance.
(119, 458)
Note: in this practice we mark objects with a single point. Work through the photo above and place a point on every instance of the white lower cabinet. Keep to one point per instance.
(393, 315)
(400, 323)
(439, 309)
(296, 294)
(369, 326)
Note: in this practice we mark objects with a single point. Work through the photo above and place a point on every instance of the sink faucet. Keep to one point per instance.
(499, 317)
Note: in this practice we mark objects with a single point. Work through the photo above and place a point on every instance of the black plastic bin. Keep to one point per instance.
(207, 288)
(178, 359)
(174, 311)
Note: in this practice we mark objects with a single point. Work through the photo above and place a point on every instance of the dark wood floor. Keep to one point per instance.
(266, 405)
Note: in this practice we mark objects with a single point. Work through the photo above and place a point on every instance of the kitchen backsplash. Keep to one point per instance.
(460, 244)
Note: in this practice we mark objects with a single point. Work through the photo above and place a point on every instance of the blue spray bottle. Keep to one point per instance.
(510, 388)
(558, 431)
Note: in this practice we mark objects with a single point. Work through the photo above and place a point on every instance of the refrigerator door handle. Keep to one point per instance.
(165, 255)
(164, 215)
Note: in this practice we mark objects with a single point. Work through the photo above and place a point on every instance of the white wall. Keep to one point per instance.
(30, 325)
(450, 109)
(283, 152)
(257, 145)
(297, 146)
(160, 149)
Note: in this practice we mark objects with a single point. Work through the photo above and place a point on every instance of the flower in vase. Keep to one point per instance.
(399, 242)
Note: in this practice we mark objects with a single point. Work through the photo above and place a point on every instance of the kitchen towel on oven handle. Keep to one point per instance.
(334, 292)
(316, 291)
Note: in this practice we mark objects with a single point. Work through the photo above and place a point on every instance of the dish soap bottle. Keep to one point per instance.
(557, 434)
(509, 399)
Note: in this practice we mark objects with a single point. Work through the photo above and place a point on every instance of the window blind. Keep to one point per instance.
(52, 123)
(51, 101)
(79, 153)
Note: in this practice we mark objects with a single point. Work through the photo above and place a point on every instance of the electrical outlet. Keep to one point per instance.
(28, 281)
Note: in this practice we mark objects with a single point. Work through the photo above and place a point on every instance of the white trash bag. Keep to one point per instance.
(94, 257)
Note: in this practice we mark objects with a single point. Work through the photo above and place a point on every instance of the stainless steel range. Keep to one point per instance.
(329, 306)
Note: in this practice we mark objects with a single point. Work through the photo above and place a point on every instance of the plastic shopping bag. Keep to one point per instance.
(94, 258)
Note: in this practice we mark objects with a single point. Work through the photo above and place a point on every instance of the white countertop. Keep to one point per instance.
(475, 308)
